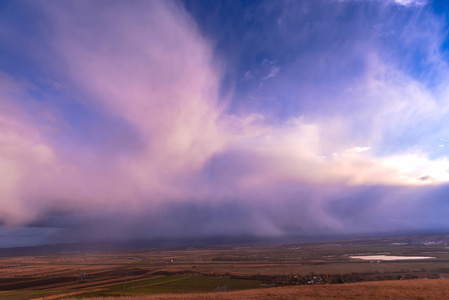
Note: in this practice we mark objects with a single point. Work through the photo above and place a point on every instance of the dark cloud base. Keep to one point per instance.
(362, 212)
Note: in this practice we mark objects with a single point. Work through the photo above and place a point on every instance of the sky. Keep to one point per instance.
(123, 120)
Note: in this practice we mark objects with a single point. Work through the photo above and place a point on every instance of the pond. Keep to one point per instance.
(389, 257)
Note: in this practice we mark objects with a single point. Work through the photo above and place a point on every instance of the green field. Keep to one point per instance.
(174, 285)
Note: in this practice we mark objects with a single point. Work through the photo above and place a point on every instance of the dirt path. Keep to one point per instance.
(67, 294)
(103, 288)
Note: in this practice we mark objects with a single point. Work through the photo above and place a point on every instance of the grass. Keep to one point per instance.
(174, 285)
(403, 289)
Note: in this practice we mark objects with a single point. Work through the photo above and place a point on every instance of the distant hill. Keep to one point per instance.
(220, 242)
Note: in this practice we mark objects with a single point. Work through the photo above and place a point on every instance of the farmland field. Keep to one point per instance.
(191, 270)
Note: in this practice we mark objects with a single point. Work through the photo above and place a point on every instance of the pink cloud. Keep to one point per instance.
(147, 64)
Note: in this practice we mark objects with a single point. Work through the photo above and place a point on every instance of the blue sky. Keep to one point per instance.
(198, 119)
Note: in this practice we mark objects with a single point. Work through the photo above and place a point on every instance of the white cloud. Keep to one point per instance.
(407, 3)
(359, 149)
(411, 2)
(273, 73)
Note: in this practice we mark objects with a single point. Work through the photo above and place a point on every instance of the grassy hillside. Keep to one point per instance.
(400, 289)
